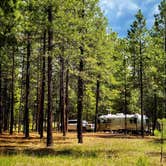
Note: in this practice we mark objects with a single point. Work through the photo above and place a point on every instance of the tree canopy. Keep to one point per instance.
(59, 61)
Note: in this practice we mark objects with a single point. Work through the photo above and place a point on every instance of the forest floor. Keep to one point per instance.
(98, 149)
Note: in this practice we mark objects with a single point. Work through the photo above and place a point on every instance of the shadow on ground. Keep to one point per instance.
(74, 153)
(121, 136)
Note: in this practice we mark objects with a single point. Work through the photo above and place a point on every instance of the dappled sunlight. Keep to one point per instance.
(107, 146)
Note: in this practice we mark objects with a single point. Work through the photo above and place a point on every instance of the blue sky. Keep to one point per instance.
(120, 13)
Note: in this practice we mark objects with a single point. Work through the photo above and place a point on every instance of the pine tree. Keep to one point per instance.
(42, 93)
(139, 33)
(49, 109)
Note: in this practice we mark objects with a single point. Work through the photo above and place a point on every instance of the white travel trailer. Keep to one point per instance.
(116, 122)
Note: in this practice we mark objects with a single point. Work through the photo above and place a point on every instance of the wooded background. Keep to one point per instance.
(59, 61)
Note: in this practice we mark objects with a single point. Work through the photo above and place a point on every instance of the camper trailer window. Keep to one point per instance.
(135, 120)
(104, 121)
(132, 121)
(72, 121)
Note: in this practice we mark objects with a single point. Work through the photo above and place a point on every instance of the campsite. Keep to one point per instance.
(82, 82)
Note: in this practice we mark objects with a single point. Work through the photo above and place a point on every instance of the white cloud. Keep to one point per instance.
(119, 7)
(155, 9)
(120, 13)
(150, 15)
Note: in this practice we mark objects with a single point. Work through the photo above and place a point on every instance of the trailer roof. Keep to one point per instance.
(121, 116)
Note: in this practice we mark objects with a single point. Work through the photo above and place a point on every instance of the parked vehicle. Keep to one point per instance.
(90, 127)
(116, 122)
(72, 125)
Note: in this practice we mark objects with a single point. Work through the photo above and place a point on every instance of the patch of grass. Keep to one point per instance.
(101, 149)
(142, 161)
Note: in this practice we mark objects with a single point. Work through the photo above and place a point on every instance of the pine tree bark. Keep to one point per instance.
(125, 111)
(37, 96)
(21, 97)
(49, 109)
(42, 93)
(154, 112)
(141, 90)
(62, 95)
(135, 71)
(1, 112)
(165, 66)
(80, 100)
(67, 97)
(26, 116)
(134, 64)
(6, 105)
(12, 95)
(80, 83)
(125, 93)
(97, 102)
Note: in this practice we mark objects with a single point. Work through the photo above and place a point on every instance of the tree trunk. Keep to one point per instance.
(6, 105)
(97, 102)
(154, 112)
(67, 97)
(134, 65)
(80, 100)
(165, 35)
(1, 112)
(27, 87)
(37, 96)
(165, 67)
(135, 85)
(36, 107)
(125, 111)
(12, 97)
(21, 97)
(41, 106)
(125, 93)
(62, 96)
(141, 90)
(49, 109)
(80, 84)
